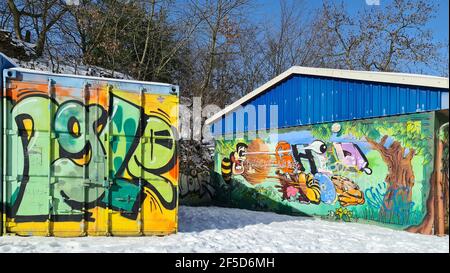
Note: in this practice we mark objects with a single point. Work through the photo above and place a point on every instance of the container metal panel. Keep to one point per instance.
(87, 156)
(306, 100)
(5, 63)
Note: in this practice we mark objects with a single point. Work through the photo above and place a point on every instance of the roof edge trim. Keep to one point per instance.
(92, 78)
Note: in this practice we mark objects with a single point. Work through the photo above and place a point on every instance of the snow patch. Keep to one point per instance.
(213, 229)
(46, 65)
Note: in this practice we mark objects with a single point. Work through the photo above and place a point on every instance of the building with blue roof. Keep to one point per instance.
(339, 144)
(325, 95)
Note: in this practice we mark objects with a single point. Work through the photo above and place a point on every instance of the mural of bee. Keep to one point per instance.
(234, 165)
(226, 169)
(310, 187)
(305, 184)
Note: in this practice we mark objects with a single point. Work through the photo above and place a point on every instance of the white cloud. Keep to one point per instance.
(373, 2)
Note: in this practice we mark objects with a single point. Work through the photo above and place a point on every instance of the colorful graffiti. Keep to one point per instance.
(233, 165)
(370, 170)
(107, 161)
(196, 190)
(316, 186)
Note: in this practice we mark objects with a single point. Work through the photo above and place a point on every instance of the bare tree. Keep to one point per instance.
(221, 25)
(340, 39)
(443, 67)
(399, 38)
(285, 42)
(297, 39)
(213, 50)
(249, 70)
(37, 16)
(86, 28)
(154, 57)
(390, 38)
(5, 15)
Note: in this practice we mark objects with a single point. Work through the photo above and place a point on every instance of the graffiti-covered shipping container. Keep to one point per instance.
(88, 156)
(383, 167)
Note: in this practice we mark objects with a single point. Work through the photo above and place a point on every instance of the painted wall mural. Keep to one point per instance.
(94, 161)
(376, 170)
(443, 149)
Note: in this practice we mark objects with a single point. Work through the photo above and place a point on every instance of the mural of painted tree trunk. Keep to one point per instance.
(437, 218)
(400, 177)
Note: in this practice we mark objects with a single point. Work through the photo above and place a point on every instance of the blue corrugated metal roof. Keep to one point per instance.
(307, 99)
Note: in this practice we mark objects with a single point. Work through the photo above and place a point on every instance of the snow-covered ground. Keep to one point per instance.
(213, 229)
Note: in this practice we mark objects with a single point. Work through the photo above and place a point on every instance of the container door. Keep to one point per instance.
(68, 157)
(30, 146)
(80, 168)
(5, 63)
(159, 165)
(97, 184)
(142, 164)
(124, 191)
(46, 147)
(26, 173)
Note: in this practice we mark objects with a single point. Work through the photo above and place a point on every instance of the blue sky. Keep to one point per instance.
(440, 24)
(268, 12)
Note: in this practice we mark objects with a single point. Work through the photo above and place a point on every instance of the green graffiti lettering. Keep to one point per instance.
(63, 164)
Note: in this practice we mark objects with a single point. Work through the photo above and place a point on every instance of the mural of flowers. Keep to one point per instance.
(343, 214)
